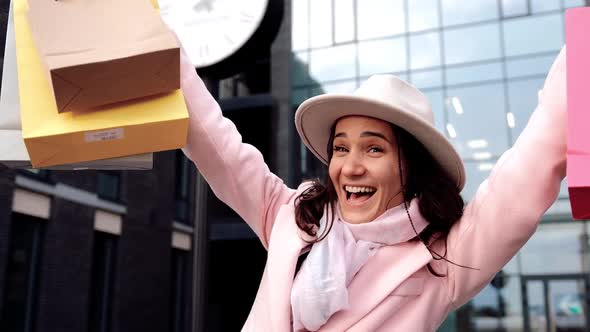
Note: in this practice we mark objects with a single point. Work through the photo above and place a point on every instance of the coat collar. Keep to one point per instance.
(386, 270)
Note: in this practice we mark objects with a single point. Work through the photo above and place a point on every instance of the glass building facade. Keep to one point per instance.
(481, 63)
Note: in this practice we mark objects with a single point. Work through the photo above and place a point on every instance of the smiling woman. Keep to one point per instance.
(390, 245)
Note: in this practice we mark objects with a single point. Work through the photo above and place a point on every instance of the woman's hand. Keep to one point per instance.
(554, 94)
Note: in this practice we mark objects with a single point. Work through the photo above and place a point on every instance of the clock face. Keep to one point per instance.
(212, 30)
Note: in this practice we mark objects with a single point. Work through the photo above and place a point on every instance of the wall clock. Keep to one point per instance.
(222, 36)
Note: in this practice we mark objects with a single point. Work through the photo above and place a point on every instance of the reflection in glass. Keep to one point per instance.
(340, 87)
(538, 6)
(475, 176)
(333, 63)
(573, 3)
(522, 101)
(474, 73)
(472, 44)
(382, 56)
(320, 24)
(423, 14)
(299, 24)
(435, 97)
(380, 18)
(298, 96)
(554, 248)
(518, 39)
(401, 76)
(514, 7)
(483, 118)
(344, 21)
(538, 65)
(425, 50)
(499, 309)
(563, 191)
(300, 68)
(460, 11)
(568, 307)
(536, 306)
(427, 78)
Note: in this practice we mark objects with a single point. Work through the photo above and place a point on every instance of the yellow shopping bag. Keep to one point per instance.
(144, 125)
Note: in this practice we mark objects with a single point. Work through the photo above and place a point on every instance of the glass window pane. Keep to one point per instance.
(460, 11)
(499, 309)
(538, 65)
(522, 101)
(533, 34)
(380, 18)
(538, 6)
(568, 305)
(300, 24)
(22, 274)
(333, 63)
(477, 114)
(178, 287)
(474, 73)
(382, 56)
(423, 14)
(344, 16)
(300, 68)
(425, 50)
(554, 248)
(472, 44)
(513, 265)
(437, 102)
(536, 306)
(514, 7)
(102, 282)
(108, 185)
(563, 192)
(427, 79)
(298, 96)
(401, 76)
(320, 16)
(340, 87)
(573, 3)
(477, 172)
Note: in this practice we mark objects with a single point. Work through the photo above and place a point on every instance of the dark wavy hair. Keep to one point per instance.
(440, 202)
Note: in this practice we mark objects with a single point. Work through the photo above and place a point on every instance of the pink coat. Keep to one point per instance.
(393, 291)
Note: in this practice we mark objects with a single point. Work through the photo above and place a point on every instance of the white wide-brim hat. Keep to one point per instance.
(385, 97)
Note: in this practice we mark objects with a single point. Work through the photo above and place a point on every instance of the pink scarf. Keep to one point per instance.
(320, 288)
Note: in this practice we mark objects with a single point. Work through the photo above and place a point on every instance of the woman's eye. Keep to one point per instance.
(375, 149)
(339, 149)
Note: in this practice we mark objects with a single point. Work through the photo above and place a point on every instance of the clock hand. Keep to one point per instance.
(204, 5)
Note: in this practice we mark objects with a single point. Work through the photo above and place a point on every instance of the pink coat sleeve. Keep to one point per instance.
(507, 207)
(235, 171)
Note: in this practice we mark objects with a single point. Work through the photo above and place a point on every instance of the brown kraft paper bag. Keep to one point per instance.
(98, 52)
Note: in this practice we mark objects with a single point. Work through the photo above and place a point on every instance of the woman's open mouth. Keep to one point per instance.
(358, 194)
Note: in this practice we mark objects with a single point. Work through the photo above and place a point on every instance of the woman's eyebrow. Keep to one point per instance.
(374, 134)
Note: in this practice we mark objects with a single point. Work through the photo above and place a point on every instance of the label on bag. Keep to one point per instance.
(104, 135)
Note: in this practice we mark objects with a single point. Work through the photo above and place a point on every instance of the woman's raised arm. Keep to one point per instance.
(236, 171)
(507, 207)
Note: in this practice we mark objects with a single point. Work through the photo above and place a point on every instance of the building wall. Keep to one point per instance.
(142, 291)
(65, 267)
(480, 63)
(6, 192)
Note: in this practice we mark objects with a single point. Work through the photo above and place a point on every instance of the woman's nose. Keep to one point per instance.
(353, 165)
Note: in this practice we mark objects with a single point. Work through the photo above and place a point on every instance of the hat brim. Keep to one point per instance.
(315, 116)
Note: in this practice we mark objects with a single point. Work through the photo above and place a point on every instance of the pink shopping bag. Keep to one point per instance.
(578, 98)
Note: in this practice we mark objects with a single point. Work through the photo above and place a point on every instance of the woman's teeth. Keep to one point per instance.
(353, 190)
(356, 192)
